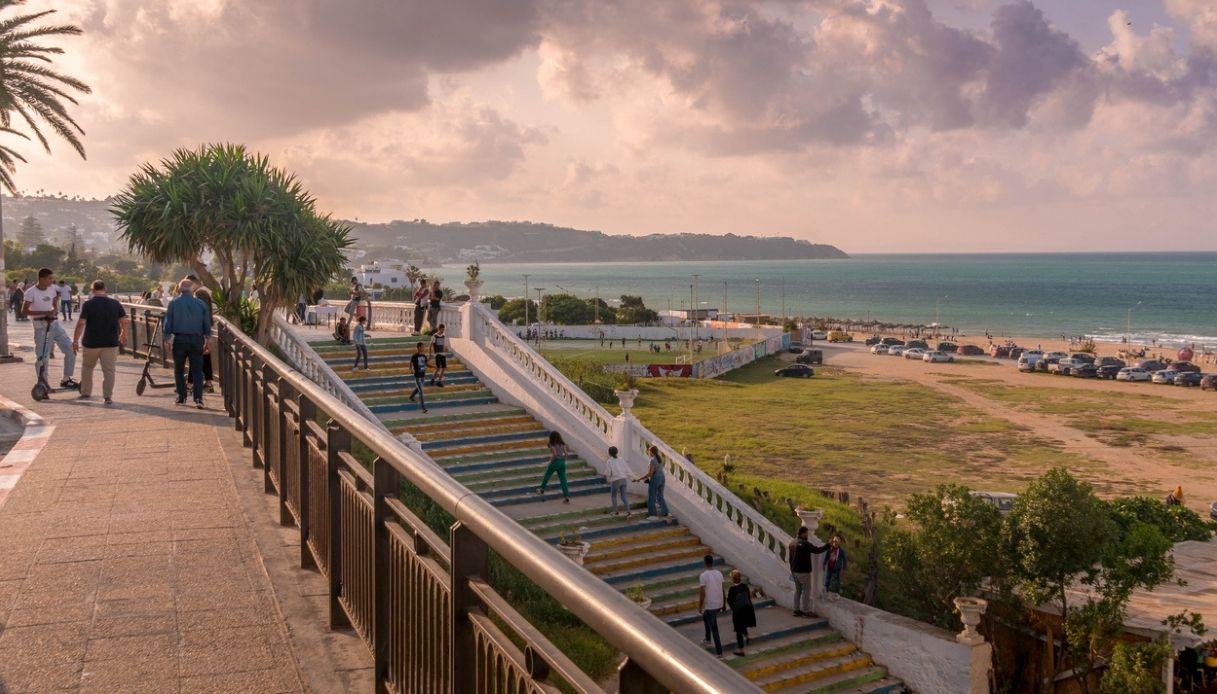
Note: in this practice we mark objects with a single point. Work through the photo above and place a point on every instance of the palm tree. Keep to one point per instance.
(36, 92)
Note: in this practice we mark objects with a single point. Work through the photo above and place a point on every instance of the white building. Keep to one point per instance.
(390, 274)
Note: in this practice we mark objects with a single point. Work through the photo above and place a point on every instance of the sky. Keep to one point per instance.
(873, 125)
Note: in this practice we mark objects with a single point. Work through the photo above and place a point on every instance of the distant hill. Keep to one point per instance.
(492, 241)
(534, 242)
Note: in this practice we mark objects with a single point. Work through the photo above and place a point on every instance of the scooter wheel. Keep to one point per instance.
(39, 392)
(139, 387)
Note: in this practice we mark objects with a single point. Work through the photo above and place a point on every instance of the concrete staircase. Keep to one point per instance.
(499, 451)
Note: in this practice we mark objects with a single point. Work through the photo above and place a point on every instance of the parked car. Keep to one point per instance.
(1065, 366)
(1209, 382)
(1189, 379)
(1151, 365)
(1184, 367)
(839, 336)
(1083, 357)
(1016, 352)
(810, 356)
(1004, 501)
(878, 349)
(1108, 371)
(1133, 373)
(895, 350)
(795, 371)
(889, 341)
(919, 344)
(1046, 362)
(935, 356)
(1057, 355)
(872, 340)
(819, 335)
(1213, 510)
(999, 351)
(950, 347)
(795, 350)
(971, 351)
(1085, 371)
(1164, 377)
(1111, 361)
(913, 352)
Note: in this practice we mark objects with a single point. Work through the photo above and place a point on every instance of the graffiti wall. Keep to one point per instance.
(723, 363)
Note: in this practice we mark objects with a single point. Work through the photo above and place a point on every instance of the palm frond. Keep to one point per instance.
(48, 74)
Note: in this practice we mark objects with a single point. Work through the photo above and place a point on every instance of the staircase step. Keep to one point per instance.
(615, 530)
(470, 437)
(614, 566)
(870, 679)
(791, 660)
(672, 566)
(461, 414)
(678, 619)
(508, 449)
(489, 423)
(771, 647)
(415, 407)
(553, 494)
(813, 675)
(511, 475)
(568, 517)
(639, 546)
(496, 489)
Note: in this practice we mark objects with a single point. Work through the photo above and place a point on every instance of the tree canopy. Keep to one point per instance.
(257, 221)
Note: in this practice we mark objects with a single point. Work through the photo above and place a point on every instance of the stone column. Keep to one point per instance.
(970, 612)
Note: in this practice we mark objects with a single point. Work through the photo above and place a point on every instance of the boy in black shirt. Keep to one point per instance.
(418, 363)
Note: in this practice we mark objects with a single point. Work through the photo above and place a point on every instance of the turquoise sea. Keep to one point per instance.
(1172, 296)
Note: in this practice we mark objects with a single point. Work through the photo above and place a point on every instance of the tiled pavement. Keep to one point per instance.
(134, 556)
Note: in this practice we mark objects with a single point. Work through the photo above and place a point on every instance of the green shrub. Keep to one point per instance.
(1178, 523)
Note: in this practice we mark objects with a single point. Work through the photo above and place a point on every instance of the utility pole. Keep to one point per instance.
(696, 308)
(758, 308)
(597, 305)
(693, 309)
(526, 306)
(722, 316)
(540, 316)
(783, 303)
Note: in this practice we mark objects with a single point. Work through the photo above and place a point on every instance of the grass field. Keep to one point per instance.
(590, 350)
(879, 438)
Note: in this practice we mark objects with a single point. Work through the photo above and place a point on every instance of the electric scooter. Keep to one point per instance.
(42, 389)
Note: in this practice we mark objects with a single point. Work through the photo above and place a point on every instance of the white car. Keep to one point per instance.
(1165, 377)
(819, 335)
(913, 353)
(1132, 373)
(895, 350)
(1055, 355)
(878, 349)
(1003, 501)
(1027, 360)
(936, 357)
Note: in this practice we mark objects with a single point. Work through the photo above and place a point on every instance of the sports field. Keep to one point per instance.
(591, 350)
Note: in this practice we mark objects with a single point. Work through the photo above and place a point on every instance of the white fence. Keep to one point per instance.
(717, 366)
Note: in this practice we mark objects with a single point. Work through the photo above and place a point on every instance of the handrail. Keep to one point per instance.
(716, 496)
(649, 644)
(304, 359)
(494, 334)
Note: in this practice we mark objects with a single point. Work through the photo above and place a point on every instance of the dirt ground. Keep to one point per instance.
(1178, 455)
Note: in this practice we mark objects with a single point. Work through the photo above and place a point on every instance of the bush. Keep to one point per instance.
(1178, 523)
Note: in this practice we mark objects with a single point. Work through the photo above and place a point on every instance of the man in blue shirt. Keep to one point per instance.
(185, 329)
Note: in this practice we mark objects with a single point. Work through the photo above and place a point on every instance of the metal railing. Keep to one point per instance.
(423, 604)
(303, 358)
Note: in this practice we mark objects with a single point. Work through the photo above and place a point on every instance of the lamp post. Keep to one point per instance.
(758, 308)
(540, 316)
(1128, 323)
(722, 316)
(696, 304)
(526, 307)
(692, 310)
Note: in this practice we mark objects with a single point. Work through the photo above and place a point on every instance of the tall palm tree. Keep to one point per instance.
(32, 89)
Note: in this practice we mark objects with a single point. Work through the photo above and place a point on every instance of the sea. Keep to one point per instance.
(1167, 297)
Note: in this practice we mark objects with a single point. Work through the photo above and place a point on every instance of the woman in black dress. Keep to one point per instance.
(743, 616)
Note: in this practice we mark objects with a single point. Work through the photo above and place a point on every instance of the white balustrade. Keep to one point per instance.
(302, 357)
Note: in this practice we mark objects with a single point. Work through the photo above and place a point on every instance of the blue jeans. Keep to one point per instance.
(43, 329)
(361, 350)
(832, 581)
(656, 506)
(418, 390)
(616, 489)
(188, 347)
(709, 618)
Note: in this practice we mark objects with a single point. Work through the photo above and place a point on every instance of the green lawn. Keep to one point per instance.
(591, 351)
(879, 438)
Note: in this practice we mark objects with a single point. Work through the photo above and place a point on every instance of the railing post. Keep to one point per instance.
(307, 411)
(337, 440)
(632, 679)
(267, 408)
(285, 516)
(385, 485)
(470, 558)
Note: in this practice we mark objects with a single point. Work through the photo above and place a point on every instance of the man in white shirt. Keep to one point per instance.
(65, 300)
(710, 602)
(42, 306)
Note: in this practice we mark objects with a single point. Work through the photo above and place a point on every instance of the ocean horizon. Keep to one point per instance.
(1170, 297)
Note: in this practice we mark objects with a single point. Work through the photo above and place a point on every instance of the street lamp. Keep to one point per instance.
(540, 317)
(526, 306)
(758, 308)
(1128, 324)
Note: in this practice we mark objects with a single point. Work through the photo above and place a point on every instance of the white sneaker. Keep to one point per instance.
(651, 518)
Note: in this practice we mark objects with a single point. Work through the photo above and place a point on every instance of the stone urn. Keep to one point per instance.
(626, 398)
(810, 518)
(475, 288)
(970, 611)
(644, 603)
(575, 551)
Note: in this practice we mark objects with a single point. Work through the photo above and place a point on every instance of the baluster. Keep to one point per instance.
(385, 485)
(307, 411)
(470, 558)
(337, 441)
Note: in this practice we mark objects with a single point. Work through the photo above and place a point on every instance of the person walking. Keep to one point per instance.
(618, 475)
(441, 359)
(800, 552)
(41, 302)
(421, 297)
(435, 298)
(102, 328)
(557, 464)
(657, 507)
(418, 365)
(743, 615)
(185, 328)
(710, 602)
(16, 299)
(65, 300)
(834, 565)
(204, 294)
(361, 344)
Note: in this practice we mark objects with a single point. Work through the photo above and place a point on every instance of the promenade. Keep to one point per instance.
(138, 553)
